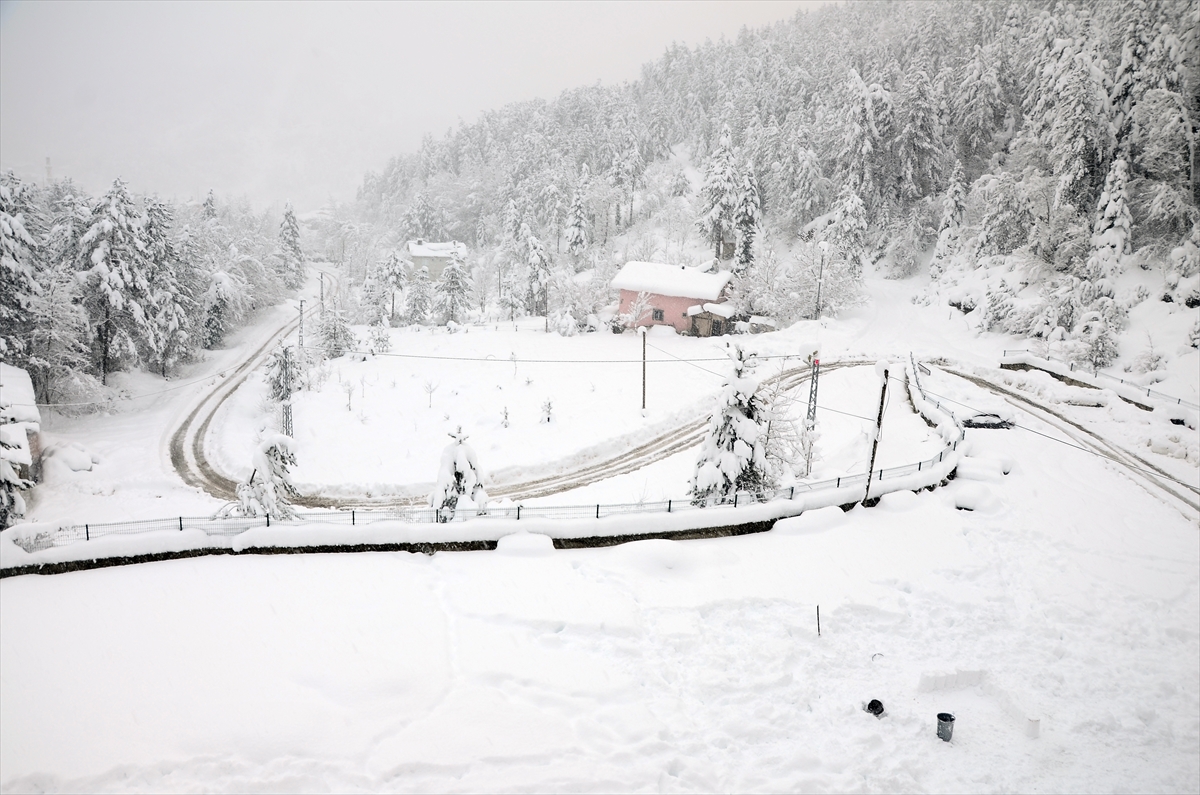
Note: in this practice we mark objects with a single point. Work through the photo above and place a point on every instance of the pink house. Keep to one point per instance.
(687, 298)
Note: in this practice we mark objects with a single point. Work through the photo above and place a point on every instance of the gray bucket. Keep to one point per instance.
(945, 726)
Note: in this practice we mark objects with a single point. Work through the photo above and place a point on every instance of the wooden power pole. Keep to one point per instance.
(875, 443)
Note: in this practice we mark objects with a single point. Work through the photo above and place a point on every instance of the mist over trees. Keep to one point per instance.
(915, 135)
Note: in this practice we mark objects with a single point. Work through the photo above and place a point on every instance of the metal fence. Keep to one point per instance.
(235, 525)
(1071, 366)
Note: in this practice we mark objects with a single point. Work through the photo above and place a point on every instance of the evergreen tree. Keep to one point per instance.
(733, 455)
(335, 335)
(58, 351)
(863, 140)
(209, 210)
(12, 504)
(172, 320)
(746, 217)
(1008, 221)
(949, 240)
(1130, 81)
(848, 232)
(577, 236)
(979, 105)
(289, 249)
(454, 289)
(221, 304)
(539, 273)
(458, 476)
(919, 144)
(118, 296)
(269, 489)
(1113, 221)
(394, 275)
(1098, 347)
(719, 196)
(17, 285)
(804, 185)
(419, 302)
(284, 373)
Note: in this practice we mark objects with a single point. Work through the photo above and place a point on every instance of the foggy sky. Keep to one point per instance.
(282, 101)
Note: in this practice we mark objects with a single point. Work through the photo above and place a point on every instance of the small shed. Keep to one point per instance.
(435, 256)
(20, 423)
(673, 291)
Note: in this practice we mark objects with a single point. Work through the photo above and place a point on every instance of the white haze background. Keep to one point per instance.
(296, 101)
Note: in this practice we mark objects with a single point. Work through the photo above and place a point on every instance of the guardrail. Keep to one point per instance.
(1075, 370)
(229, 526)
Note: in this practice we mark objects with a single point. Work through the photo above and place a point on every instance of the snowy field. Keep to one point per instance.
(655, 666)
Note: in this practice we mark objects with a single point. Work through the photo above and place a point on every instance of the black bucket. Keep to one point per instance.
(945, 726)
(875, 708)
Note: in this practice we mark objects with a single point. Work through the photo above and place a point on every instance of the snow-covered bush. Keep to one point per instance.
(733, 455)
(269, 490)
(335, 335)
(458, 476)
(12, 504)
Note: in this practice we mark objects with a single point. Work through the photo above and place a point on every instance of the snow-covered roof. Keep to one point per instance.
(424, 248)
(17, 403)
(674, 280)
(722, 310)
(758, 320)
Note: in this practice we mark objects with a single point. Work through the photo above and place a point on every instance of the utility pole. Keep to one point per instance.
(642, 331)
(824, 246)
(300, 336)
(878, 428)
(810, 422)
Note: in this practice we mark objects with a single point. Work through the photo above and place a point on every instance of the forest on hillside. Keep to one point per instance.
(1026, 155)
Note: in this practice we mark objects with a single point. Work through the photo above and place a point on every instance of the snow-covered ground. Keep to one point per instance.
(653, 666)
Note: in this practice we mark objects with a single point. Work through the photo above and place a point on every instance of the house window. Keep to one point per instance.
(658, 315)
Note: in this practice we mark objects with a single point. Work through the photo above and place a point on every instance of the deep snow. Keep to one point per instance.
(654, 666)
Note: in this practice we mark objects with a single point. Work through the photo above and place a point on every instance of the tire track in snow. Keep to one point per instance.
(1135, 465)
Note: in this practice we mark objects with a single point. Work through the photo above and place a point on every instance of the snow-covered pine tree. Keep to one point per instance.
(419, 300)
(1008, 220)
(733, 455)
(454, 290)
(919, 144)
(848, 232)
(746, 218)
(538, 263)
(978, 105)
(336, 337)
(808, 187)
(172, 319)
(221, 305)
(719, 196)
(862, 145)
(394, 273)
(269, 490)
(949, 240)
(12, 504)
(577, 234)
(284, 373)
(58, 351)
(458, 476)
(118, 295)
(289, 249)
(379, 340)
(209, 211)
(1097, 345)
(17, 285)
(1111, 231)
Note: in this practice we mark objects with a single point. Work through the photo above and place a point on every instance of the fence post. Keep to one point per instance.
(87, 534)
(268, 520)
(518, 513)
(181, 524)
(352, 519)
(735, 499)
(597, 510)
(839, 484)
(792, 496)
(668, 506)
